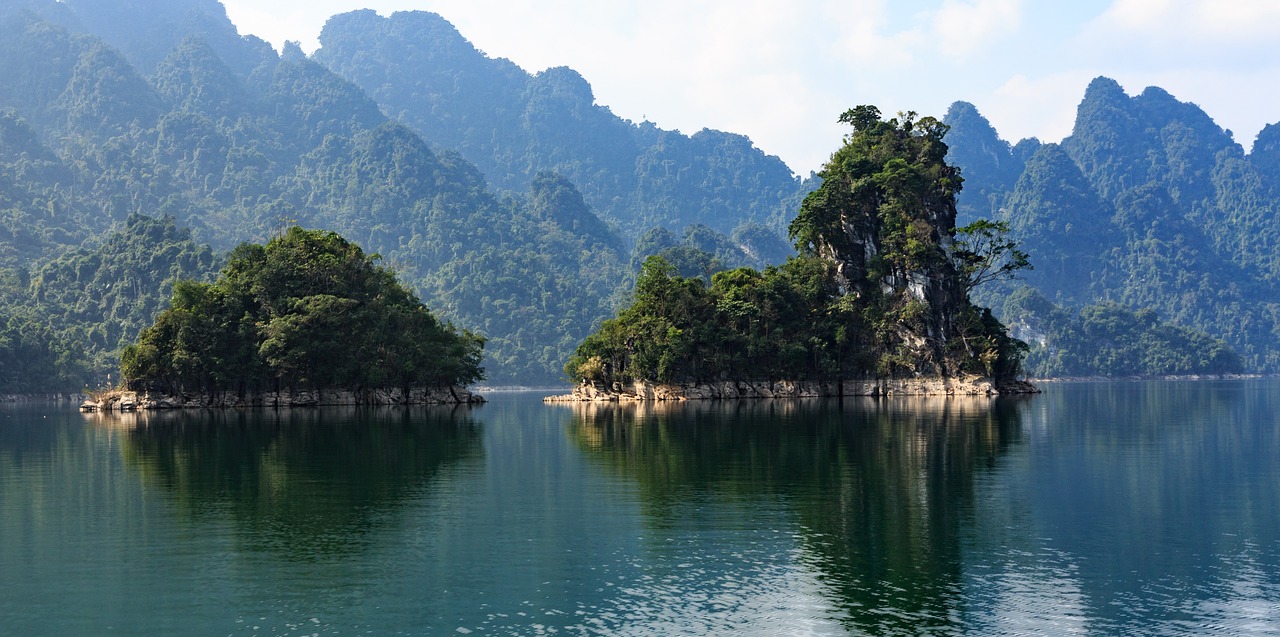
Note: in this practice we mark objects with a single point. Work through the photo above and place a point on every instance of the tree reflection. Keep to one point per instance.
(303, 483)
(1162, 486)
(881, 489)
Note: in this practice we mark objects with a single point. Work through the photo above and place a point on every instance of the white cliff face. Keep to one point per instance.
(933, 288)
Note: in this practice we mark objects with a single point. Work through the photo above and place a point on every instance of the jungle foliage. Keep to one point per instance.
(235, 143)
(876, 290)
(308, 309)
(1111, 337)
(517, 207)
(1149, 219)
(66, 322)
(514, 125)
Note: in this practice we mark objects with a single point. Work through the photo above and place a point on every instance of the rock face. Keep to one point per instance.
(289, 398)
(730, 390)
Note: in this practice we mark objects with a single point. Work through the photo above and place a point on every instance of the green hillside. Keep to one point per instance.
(1147, 206)
(140, 141)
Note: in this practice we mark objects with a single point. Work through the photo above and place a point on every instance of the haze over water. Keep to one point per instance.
(1142, 508)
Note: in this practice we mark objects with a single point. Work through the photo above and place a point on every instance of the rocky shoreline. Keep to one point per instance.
(121, 400)
(643, 391)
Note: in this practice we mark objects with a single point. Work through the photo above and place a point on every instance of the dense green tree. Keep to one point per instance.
(876, 291)
(514, 125)
(1149, 205)
(308, 309)
(1108, 339)
(103, 295)
(66, 320)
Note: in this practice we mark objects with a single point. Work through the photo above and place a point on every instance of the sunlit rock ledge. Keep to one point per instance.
(736, 390)
(129, 400)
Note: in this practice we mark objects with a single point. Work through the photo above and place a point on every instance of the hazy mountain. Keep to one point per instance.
(1149, 204)
(513, 125)
(507, 199)
(94, 135)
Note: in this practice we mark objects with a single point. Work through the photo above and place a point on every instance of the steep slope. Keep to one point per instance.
(879, 293)
(88, 142)
(1150, 204)
(145, 31)
(1055, 215)
(514, 125)
(989, 166)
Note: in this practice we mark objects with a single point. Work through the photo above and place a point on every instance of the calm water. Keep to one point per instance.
(1135, 508)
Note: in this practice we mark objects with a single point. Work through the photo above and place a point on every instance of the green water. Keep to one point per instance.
(1131, 508)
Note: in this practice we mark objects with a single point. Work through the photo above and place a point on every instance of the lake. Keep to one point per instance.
(1124, 508)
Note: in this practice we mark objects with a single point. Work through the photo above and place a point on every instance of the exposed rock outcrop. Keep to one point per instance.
(128, 400)
(730, 390)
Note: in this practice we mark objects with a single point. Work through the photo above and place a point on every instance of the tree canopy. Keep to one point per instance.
(308, 309)
(1147, 206)
(878, 289)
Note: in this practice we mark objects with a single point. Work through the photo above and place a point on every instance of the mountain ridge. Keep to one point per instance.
(1149, 204)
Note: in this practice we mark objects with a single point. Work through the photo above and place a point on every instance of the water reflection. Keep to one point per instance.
(1158, 494)
(31, 435)
(302, 483)
(881, 490)
(1135, 508)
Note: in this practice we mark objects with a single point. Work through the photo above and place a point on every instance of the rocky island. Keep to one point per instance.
(875, 303)
(307, 319)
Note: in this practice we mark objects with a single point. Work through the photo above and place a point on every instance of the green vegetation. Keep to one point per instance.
(875, 290)
(308, 309)
(236, 143)
(517, 207)
(1110, 337)
(66, 322)
(1148, 210)
(514, 125)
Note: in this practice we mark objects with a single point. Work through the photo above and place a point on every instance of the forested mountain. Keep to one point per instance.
(880, 288)
(139, 140)
(92, 136)
(513, 125)
(489, 202)
(62, 324)
(1148, 204)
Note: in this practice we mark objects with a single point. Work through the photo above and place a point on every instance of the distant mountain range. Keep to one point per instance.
(160, 108)
(131, 133)
(1147, 204)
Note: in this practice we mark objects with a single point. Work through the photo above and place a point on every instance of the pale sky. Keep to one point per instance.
(781, 72)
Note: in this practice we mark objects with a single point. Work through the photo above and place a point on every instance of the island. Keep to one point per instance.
(875, 303)
(306, 319)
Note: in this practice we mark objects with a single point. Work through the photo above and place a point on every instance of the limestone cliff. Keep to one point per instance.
(734, 390)
(876, 302)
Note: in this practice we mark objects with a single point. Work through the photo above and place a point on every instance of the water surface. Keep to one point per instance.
(1130, 508)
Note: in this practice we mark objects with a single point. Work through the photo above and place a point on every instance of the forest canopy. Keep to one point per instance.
(878, 289)
(308, 309)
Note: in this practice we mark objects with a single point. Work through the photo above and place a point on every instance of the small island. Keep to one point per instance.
(307, 319)
(875, 303)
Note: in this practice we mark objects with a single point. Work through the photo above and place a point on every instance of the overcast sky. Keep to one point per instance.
(782, 71)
